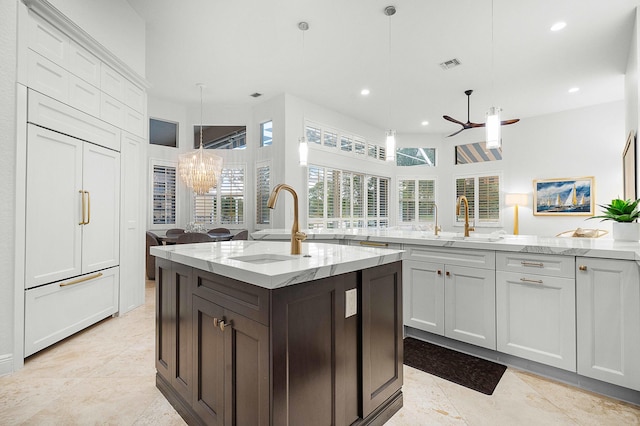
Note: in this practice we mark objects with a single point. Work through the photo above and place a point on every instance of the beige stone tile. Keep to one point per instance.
(512, 403)
(160, 412)
(585, 408)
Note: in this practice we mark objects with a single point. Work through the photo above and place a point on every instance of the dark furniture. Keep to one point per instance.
(229, 352)
(242, 235)
(174, 231)
(152, 240)
(218, 231)
(193, 237)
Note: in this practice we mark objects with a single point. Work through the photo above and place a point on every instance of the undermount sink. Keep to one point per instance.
(264, 258)
(459, 236)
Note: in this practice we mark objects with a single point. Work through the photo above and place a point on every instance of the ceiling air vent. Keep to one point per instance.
(451, 63)
(255, 95)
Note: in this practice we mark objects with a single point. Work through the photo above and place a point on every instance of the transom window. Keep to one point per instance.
(342, 142)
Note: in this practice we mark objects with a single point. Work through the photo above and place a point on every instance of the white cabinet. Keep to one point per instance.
(451, 292)
(535, 308)
(73, 204)
(608, 315)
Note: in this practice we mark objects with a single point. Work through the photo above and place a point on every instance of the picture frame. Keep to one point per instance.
(564, 196)
(629, 172)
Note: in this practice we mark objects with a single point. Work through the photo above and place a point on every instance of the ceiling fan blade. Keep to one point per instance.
(505, 122)
(453, 134)
(470, 125)
(453, 120)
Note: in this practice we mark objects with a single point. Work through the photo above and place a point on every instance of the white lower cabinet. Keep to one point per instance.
(608, 315)
(58, 310)
(451, 299)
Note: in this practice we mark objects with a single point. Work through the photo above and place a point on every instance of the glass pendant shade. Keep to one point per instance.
(492, 127)
(200, 169)
(391, 145)
(303, 150)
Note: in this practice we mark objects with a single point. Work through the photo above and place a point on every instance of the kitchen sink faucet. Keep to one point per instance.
(467, 228)
(296, 236)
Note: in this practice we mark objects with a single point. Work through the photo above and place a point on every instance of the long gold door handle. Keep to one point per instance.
(84, 208)
(373, 244)
(82, 279)
(88, 208)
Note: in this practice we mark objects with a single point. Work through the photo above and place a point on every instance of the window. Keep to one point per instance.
(314, 135)
(416, 156)
(224, 204)
(416, 200)
(476, 153)
(266, 133)
(483, 194)
(337, 199)
(263, 183)
(220, 137)
(164, 195)
(162, 132)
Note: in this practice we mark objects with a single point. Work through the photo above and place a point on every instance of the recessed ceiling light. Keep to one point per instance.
(574, 90)
(558, 26)
(364, 92)
(425, 123)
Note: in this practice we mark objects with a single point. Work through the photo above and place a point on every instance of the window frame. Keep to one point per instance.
(262, 144)
(153, 163)
(458, 221)
(258, 192)
(416, 199)
(218, 194)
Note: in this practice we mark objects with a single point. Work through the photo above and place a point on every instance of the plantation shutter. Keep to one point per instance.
(315, 184)
(232, 196)
(164, 195)
(406, 200)
(426, 200)
(263, 183)
(488, 198)
(466, 187)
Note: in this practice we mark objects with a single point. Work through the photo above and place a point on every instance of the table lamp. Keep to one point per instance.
(516, 200)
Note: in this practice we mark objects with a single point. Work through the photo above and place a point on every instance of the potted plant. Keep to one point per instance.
(624, 214)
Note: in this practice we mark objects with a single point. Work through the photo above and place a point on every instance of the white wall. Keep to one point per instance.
(631, 90)
(113, 23)
(8, 31)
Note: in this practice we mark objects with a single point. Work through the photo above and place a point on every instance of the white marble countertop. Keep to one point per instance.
(589, 247)
(270, 264)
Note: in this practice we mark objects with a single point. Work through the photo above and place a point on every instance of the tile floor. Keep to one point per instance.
(106, 375)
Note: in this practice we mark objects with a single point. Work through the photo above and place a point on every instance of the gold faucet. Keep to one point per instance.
(467, 228)
(296, 236)
(437, 228)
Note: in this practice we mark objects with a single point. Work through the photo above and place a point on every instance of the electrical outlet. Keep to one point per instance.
(351, 302)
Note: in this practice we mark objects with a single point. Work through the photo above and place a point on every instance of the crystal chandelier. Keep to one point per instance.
(200, 169)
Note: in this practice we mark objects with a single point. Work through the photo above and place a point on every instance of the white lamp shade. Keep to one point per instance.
(492, 127)
(516, 199)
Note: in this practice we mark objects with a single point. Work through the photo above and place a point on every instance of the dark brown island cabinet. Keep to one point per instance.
(233, 353)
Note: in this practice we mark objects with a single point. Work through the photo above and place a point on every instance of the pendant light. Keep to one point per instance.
(303, 146)
(492, 124)
(390, 146)
(200, 169)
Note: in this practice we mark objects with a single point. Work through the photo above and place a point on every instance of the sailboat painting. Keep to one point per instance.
(568, 197)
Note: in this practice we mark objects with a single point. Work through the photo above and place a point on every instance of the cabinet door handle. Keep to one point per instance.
(222, 324)
(582, 267)
(88, 208)
(439, 272)
(526, 280)
(84, 208)
(372, 244)
(81, 280)
(448, 273)
(532, 264)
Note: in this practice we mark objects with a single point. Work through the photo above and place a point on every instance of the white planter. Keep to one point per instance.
(626, 231)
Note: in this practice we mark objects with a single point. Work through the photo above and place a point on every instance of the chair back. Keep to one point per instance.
(150, 264)
(193, 237)
(242, 235)
(218, 231)
(174, 231)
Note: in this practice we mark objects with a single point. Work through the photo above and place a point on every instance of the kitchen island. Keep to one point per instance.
(247, 333)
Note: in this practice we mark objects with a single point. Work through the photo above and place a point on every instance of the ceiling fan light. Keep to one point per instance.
(492, 127)
(391, 145)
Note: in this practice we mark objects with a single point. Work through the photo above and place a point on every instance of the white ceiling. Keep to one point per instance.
(244, 46)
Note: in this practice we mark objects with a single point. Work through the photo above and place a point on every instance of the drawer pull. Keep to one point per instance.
(532, 264)
(439, 272)
(526, 280)
(81, 280)
(372, 244)
(582, 267)
(220, 323)
(448, 273)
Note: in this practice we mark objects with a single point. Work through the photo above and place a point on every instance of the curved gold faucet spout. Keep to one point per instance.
(459, 201)
(296, 236)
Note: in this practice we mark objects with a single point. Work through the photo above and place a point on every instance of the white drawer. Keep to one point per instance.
(540, 264)
(48, 41)
(84, 64)
(58, 310)
(484, 259)
(47, 77)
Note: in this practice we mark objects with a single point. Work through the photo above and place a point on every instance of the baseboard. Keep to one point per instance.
(6, 364)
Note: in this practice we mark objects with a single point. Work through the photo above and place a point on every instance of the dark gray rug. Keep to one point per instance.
(466, 370)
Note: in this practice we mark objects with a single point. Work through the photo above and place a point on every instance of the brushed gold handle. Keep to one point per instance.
(82, 279)
(582, 267)
(372, 244)
(88, 208)
(532, 264)
(84, 208)
(526, 280)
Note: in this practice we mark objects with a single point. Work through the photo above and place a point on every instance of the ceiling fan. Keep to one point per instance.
(469, 124)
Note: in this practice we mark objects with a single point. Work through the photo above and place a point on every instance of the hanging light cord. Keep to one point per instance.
(493, 90)
(201, 116)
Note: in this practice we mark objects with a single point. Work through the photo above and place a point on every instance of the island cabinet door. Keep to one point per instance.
(231, 360)
(382, 352)
(174, 286)
(315, 353)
